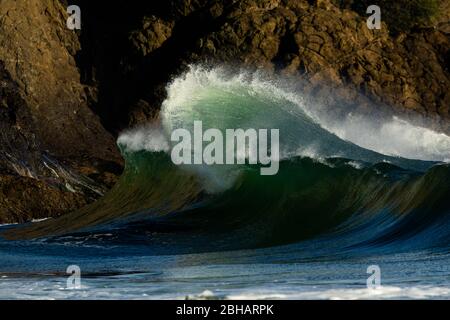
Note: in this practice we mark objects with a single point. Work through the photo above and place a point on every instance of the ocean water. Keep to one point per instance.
(350, 194)
(272, 273)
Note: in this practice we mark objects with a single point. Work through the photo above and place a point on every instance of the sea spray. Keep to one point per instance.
(236, 146)
(317, 189)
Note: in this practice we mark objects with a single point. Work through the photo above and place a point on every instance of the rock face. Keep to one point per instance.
(44, 116)
(317, 40)
(38, 52)
(314, 40)
(65, 95)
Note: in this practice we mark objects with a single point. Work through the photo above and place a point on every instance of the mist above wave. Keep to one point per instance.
(228, 99)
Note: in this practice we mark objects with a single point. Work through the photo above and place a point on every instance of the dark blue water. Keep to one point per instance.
(348, 198)
(37, 270)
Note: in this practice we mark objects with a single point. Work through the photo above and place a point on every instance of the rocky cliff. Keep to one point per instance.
(46, 124)
(65, 95)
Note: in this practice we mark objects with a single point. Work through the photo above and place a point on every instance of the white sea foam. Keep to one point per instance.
(8, 224)
(147, 138)
(384, 292)
(186, 96)
(396, 137)
(33, 221)
(40, 220)
(355, 164)
(56, 289)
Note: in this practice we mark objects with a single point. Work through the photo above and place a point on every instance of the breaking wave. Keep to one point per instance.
(359, 182)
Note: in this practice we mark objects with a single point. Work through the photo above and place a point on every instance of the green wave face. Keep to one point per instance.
(226, 100)
(325, 183)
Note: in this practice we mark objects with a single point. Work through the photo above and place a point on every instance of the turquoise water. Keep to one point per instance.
(350, 193)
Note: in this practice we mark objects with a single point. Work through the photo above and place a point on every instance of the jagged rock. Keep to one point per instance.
(38, 51)
(323, 44)
(44, 116)
(153, 34)
(23, 199)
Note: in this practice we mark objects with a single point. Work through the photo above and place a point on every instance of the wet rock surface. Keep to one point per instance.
(44, 115)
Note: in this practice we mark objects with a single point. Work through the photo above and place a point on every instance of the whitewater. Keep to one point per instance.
(351, 192)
